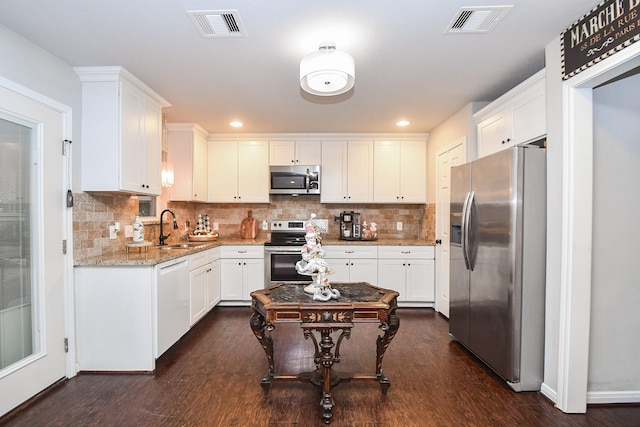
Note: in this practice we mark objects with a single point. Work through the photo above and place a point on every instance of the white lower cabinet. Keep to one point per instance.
(352, 263)
(204, 282)
(241, 272)
(128, 316)
(410, 270)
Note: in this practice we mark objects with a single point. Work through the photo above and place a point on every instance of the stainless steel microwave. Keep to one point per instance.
(298, 179)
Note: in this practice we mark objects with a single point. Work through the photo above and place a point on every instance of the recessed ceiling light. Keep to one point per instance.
(403, 123)
(236, 124)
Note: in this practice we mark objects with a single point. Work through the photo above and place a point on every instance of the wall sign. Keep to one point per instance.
(608, 28)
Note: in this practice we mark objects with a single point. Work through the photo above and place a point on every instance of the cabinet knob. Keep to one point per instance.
(438, 242)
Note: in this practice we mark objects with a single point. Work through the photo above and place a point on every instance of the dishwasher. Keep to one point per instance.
(172, 316)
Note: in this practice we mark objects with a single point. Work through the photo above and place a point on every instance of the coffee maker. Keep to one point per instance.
(349, 225)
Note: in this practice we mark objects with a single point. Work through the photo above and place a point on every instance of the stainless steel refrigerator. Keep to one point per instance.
(497, 267)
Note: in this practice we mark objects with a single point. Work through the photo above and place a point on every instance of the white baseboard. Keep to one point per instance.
(549, 393)
(597, 397)
(608, 397)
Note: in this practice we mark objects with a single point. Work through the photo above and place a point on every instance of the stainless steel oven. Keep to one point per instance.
(283, 251)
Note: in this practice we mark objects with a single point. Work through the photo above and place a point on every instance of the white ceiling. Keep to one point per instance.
(406, 67)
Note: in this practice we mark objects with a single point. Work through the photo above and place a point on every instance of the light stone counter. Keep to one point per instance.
(379, 242)
(155, 255)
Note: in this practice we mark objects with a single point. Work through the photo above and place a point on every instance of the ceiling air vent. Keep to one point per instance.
(479, 20)
(218, 23)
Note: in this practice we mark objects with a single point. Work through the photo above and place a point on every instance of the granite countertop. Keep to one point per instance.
(379, 242)
(155, 255)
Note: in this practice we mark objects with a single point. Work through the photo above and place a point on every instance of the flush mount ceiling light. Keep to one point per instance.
(327, 72)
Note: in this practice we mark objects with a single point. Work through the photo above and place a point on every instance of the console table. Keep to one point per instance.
(359, 302)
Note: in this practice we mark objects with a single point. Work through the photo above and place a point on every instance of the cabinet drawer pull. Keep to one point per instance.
(349, 252)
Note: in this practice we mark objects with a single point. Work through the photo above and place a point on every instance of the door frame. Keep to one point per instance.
(67, 232)
(439, 264)
(577, 222)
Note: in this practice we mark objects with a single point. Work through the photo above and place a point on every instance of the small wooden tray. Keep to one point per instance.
(140, 245)
(203, 237)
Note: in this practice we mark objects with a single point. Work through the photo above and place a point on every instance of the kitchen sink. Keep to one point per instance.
(180, 246)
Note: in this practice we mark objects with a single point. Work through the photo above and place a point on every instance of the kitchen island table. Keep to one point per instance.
(359, 302)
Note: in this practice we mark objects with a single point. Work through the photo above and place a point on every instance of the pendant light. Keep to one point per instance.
(327, 72)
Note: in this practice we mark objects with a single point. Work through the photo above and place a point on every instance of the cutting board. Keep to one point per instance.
(249, 227)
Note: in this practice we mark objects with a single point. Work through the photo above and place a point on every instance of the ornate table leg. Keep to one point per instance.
(390, 329)
(259, 326)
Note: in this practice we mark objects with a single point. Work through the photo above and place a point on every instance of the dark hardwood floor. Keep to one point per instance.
(212, 378)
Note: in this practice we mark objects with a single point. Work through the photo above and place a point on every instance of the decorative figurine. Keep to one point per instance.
(313, 264)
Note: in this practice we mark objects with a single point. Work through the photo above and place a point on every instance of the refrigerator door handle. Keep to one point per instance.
(465, 230)
(469, 245)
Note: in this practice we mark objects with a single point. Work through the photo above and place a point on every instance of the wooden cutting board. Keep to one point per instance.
(249, 227)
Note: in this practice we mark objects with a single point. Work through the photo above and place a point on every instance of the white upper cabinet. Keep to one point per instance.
(517, 117)
(347, 172)
(121, 132)
(188, 153)
(285, 153)
(400, 172)
(238, 171)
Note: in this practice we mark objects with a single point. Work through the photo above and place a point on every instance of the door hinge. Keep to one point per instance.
(66, 345)
(64, 146)
(64, 247)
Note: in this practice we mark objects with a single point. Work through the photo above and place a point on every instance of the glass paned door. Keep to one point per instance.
(33, 225)
(17, 338)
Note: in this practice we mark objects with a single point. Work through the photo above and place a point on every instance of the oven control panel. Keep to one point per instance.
(287, 225)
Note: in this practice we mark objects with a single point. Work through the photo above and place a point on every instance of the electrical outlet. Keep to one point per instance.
(128, 231)
(112, 232)
(265, 225)
(215, 226)
(399, 225)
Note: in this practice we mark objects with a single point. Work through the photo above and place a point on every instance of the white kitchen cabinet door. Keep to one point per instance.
(213, 284)
(413, 172)
(363, 270)
(286, 153)
(347, 172)
(392, 275)
(231, 279)
(333, 175)
(400, 172)
(188, 152)
(253, 172)
(308, 152)
(222, 171)
(386, 172)
(121, 132)
(198, 293)
(340, 269)
(253, 276)
(420, 280)
(360, 172)
(238, 171)
(530, 114)
(494, 133)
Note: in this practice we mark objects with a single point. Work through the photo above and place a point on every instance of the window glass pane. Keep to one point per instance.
(16, 333)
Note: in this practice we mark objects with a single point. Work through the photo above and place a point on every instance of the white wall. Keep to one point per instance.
(30, 66)
(615, 294)
(458, 126)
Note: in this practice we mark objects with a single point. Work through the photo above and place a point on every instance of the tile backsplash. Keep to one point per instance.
(93, 214)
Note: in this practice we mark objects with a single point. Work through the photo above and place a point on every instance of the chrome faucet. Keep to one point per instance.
(175, 226)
